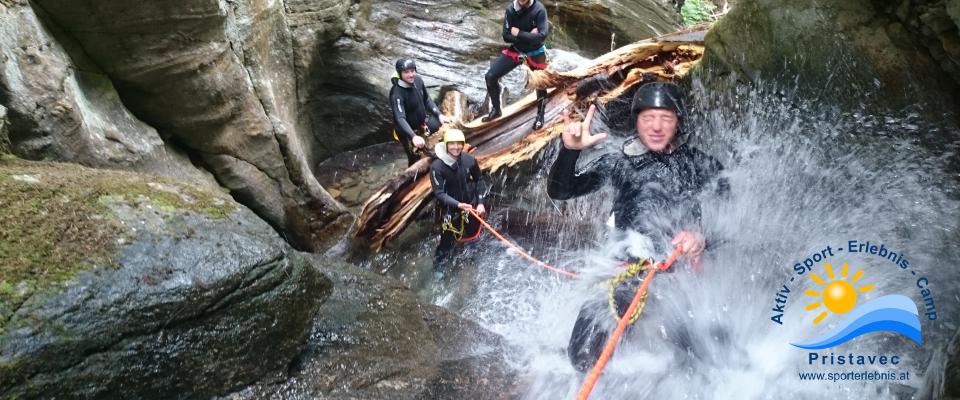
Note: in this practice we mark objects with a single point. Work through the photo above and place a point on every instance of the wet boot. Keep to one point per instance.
(541, 108)
(494, 114)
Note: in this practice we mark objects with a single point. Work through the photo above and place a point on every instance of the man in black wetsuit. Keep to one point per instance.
(414, 112)
(525, 28)
(656, 177)
(458, 185)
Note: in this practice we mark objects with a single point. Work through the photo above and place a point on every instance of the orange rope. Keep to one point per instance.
(518, 249)
(621, 326)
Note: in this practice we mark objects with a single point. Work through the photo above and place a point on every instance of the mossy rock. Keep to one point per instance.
(57, 220)
(124, 283)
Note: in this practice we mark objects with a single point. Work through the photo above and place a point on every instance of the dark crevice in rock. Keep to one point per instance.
(250, 280)
(931, 30)
(234, 157)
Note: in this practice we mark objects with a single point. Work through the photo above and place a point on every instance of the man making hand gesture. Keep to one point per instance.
(656, 178)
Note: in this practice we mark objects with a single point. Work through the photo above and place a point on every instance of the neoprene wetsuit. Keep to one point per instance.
(525, 43)
(645, 184)
(412, 109)
(455, 181)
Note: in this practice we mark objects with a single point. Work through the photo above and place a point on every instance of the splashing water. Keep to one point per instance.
(803, 177)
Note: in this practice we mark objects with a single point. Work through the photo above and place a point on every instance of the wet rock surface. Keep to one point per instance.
(353, 176)
(62, 107)
(590, 24)
(373, 340)
(887, 55)
(198, 296)
(217, 78)
(936, 23)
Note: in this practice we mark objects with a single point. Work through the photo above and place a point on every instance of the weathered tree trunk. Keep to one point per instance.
(509, 140)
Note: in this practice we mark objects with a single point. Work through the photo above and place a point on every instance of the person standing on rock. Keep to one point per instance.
(657, 178)
(525, 28)
(459, 187)
(414, 113)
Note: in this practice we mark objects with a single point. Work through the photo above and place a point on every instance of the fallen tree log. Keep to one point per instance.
(509, 140)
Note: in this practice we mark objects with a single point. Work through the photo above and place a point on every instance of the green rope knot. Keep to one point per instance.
(632, 270)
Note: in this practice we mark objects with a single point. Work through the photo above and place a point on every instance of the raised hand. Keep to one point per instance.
(576, 135)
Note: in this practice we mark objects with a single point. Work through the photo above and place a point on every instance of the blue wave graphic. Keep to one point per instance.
(892, 313)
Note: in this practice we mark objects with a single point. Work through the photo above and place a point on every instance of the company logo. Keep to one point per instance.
(835, 300)
(838, 295)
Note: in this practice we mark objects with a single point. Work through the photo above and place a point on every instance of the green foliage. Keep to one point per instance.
(697, 11)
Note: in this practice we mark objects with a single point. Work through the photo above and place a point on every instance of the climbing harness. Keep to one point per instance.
(632, 270)
(424, 131)
(527, 57)
(449, 226)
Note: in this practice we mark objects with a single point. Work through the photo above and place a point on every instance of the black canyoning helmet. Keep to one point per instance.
(404, 64)
(660, 95)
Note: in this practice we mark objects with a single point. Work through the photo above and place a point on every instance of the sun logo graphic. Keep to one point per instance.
(839, 296)
(892, 313)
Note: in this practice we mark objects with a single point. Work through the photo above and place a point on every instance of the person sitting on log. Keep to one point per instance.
(656, 174)
(414, 112)
(459, 187)
(525, 28)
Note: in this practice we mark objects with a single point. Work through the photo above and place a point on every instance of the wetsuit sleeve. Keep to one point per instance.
(438, 183)
(543, 27)
(507, 36)
(477, 175)
(399, 115)
(565, 182)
